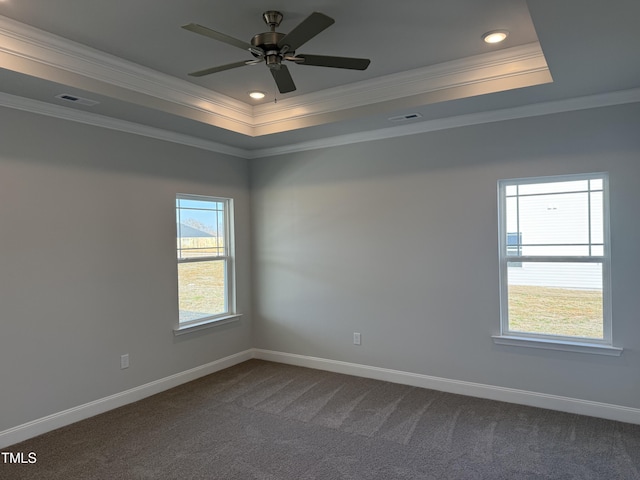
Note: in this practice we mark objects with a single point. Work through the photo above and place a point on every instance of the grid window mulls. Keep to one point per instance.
(554, 230)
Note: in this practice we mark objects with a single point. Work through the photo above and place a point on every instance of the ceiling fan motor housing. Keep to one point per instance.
(268, 43)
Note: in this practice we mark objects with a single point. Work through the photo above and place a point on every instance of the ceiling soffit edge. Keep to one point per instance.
(26, 42)
(21, 42)
(609, 99)
(89, 118)
(507, 62)
(515, 67)
(534, 110)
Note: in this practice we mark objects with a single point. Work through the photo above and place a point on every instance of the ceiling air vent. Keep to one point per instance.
(79, 100)
(405, 118)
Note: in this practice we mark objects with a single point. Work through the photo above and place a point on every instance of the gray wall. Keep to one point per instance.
(87, 262)
(397, 239)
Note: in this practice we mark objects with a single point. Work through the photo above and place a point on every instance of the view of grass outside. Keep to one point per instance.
(201, 287)
(555, 311)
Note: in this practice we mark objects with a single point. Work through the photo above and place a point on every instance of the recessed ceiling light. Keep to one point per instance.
(495, 36)
(257, 95)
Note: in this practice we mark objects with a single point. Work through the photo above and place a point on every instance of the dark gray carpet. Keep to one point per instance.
(267, 421)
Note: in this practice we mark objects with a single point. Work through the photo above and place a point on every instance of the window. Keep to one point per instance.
(555, 230)
(205, 259)
(514, 242)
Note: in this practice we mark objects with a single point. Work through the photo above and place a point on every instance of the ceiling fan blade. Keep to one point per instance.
(207, 32)
(221, 68)
(333, 62)
(283, 79)
(306, 30)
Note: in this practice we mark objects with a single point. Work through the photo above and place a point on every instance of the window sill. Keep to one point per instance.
(579, 347)
(214, 322)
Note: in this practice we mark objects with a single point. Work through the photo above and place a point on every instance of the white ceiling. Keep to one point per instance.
(426, 57)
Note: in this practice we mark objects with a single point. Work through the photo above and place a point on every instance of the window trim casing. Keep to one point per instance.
(231, 315)
(602, 346)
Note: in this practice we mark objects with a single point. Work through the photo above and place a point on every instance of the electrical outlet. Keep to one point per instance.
(124, 361)
(356, 338)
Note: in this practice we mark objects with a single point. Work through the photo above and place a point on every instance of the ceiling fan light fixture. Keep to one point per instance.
(256, 95)
(495, 36)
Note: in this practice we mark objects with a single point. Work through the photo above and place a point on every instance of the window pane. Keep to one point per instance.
(513, 243)
(199, 204)
(554, 219)
(200, 228)
(201, 289)
(597, 221)
(556, 250)
(553, 187)
(220, 227)
(196, 244)
(596, 184)
(200, 247)
(512, 214)
(556, 299)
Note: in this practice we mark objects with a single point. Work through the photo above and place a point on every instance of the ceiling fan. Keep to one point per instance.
(273, 47)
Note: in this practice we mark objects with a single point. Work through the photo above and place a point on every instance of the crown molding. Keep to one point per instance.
(538, 109)
(34, 52)
(37, 47)
(490, 116)
(90, 118)
(488, 67)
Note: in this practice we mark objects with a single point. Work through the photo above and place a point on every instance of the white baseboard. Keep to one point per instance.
(523, 397)
(51, 422)
(511, 395)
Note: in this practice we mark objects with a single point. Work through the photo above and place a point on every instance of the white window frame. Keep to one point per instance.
(602, 346)
(228, 257)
